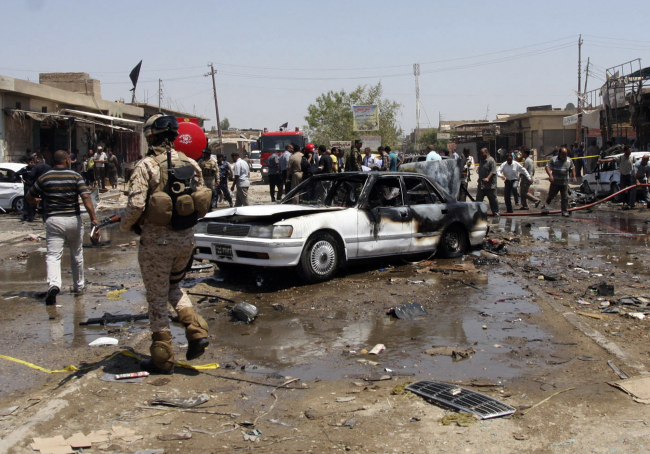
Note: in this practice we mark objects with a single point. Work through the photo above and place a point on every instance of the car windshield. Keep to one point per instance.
(331, 190)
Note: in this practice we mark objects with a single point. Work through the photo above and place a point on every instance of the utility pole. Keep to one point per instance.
(416, 73)
(159, 94)
(584, 92)
(579, 108)
(216, 104)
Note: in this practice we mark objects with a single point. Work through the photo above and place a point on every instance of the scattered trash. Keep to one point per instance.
(377, 349)
(103, 341)
(460, 419)
(520, 437)
(131, 375)
(484, 261)
(182, 402)
(604, 304)
(108, 319)
(460, 267)
(618, 371)
(589, 314)
(495, 247)
(637, 387)
(253, 435)
(9, 410)
(456, 353)
(468, 401)
(350, 423)
(409, 310)
(636, 315)
(22, 255)
(79, 441)
(245, 312)
(345, 399)
(583, 302)
(611, 310)
(111, 378)
(603, 289)
(124, 433)
(56, 445)
(548, 398)
(414, 282)
(546, 277)
(116, 295)
(176, 436)
(202, 267)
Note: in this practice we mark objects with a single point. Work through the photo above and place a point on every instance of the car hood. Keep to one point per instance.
(268, 213)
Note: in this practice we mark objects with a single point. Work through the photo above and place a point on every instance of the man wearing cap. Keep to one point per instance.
(352, 159)
(209, 172)
(100, 169)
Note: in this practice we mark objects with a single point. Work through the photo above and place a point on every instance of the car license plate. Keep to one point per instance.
(223, 250)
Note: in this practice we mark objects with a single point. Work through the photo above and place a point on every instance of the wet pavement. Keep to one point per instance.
(315, 331)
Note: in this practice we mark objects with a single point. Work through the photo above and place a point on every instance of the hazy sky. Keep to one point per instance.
(275, 57)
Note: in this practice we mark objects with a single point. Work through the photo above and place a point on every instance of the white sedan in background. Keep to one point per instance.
(332, 219)
(11, 186)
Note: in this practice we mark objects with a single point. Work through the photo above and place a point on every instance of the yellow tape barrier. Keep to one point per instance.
(128, 353)
(547, 160)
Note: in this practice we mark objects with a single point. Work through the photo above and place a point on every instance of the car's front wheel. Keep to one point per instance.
(453, 242)
(19, 204)
(319, 261)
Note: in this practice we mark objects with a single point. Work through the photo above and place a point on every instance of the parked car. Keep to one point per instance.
(11, 186)
(419, 158)
(256, 163)
(332, 219)
(606, 177)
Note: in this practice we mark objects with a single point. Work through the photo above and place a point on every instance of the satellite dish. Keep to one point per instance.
(570, 106)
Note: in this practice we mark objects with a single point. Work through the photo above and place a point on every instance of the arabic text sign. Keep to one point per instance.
(365, 118)
(372, 142)
(344, 144)
(444, 135)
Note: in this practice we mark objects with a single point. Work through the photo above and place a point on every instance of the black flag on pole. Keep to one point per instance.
(284, 125)
(135, 73)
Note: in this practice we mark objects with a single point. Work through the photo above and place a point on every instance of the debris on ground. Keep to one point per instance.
(182, 402)
(54, 445)
(484, 261)
(377, 349)
(637, 387)
(108, 319)
(113, 378)
(175, 436)
(462, 399)
(115, 295)
(460, 267)
(244, 312)
(455, 352)
(602, 289)
(400, 389)
(409, 310)
(618, 371)
(103, 342)
(460, 419)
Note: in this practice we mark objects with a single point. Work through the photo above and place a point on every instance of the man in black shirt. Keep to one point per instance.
(325, 161)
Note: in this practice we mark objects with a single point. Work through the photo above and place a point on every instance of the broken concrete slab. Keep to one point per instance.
(638, 387)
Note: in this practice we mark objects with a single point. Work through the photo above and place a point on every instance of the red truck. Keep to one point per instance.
(270, 142)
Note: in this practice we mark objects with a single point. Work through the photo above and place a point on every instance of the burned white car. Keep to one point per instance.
(330, 220)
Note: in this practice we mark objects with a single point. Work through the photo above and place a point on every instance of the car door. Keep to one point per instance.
(10, 187)
(428, 210)
(385, 222)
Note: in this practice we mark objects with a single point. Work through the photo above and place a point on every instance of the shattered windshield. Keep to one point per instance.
(332, 190)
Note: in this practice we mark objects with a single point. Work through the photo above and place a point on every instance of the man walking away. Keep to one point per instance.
(625, 166)
(468, 168)
(487, 180)
(558, 169)
(100, 162)
(60, 189)
(28, 209)
(284, 167)
(509, 172)
(432, 155)
(209, 171)
(294, 169)
(525, 183)
(393, 161)
(275, 179)
(241, 173)
(224, 173)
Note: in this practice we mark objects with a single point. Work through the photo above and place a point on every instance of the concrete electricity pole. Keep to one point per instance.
(416, 73)
(579, 107)
(159, 94)
(216, 104)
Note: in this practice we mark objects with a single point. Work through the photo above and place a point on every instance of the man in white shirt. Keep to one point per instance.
(509, 172)
(468, 168)
(369, 160)
(432, 155)
(525, 183)
(241, 173)
(100, 169)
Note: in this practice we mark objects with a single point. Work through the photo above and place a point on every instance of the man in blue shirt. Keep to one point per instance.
(275, 179)
(392, 159)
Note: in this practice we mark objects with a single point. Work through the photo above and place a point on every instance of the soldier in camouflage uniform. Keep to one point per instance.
(352, 159)
(164, 253)
(209, 171)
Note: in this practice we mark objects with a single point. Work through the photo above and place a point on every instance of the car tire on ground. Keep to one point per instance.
(453, 242)
(18, 204)
(319, 261)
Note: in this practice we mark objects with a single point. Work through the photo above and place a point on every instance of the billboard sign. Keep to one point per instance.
(344, 144)
(444, 136)
(365, 118)
(373, 142)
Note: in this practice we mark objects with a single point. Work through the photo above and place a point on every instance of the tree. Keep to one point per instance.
(428, 137)
(225, 124)
(330, 117)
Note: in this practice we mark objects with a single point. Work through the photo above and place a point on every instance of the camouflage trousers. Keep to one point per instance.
(164, 255)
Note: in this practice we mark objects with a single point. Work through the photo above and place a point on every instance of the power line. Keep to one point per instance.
(618, 39)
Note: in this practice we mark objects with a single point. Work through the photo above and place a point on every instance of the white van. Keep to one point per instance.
(606, 178)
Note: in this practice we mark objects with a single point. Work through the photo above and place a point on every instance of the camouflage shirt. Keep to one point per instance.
(143, 183)
(208, 167)
(352, 160)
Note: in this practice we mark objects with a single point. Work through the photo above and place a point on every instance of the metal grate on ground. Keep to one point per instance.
(223, 229)
(462, 399)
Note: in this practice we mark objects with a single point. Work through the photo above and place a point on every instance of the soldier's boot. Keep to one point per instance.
(162, 355)
(196, 332)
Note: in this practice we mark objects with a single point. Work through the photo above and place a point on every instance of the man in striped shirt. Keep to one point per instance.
(60, 189)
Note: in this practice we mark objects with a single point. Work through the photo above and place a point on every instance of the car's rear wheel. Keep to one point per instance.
(319, 261)
(453, 242)
(19, 204)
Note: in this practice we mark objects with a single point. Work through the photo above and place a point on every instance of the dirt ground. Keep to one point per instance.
(301, 374)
